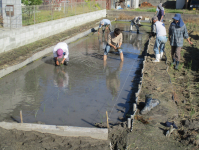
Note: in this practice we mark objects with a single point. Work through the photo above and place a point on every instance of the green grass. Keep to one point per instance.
(173, 11)
(189, 65)
(152, 9)
(28, 17)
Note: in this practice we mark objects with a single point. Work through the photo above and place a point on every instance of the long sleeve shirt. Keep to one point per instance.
(136, 20)
(64, 47)
(114, 40)
(177, 35)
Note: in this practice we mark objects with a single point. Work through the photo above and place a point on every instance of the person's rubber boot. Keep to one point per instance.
(177, 64)
(157, 56)
(174, 62)
(161, 54)
(138, 32)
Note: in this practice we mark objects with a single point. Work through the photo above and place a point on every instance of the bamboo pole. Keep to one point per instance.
(21, 117)
(107, 119)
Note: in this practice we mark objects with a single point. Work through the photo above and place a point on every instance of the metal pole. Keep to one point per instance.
(10, 18)
(75, 7)
(52, 12)
(64, 8)
(34, 14)
(83, 7)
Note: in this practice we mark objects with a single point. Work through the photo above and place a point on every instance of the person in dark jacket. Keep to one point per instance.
(160, 13)
(177, 33)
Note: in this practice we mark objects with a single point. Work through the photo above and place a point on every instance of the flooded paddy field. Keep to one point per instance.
(78, 94)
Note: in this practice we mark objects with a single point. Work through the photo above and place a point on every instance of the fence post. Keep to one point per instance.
(34, 14)
(75, 7)
(52, 12)
(10, 18)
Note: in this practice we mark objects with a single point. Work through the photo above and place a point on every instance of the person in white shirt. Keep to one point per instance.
(161, 39)
(105, 24)
(136, 22)
(61, 49)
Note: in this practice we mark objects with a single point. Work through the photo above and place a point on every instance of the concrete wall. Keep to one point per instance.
(18, 37)
(153, 2)
(14, 21)
(129, 14)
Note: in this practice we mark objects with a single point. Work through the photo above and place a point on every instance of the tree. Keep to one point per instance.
(32, 2)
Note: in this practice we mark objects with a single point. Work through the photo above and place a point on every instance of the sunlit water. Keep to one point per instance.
(78, 94)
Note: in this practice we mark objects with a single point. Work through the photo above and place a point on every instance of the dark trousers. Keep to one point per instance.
(175, 52)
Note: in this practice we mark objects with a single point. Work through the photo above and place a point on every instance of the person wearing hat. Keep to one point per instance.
(136, 22)
(157, 9)
(61, 49)
(105, 24)
(160, 12)
(177, 31)
(161, 39)
(115, 41)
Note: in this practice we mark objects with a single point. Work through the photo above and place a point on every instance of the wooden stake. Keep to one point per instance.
(107, 119)
(21, 116)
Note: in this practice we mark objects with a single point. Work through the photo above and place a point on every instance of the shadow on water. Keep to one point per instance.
(78, 94)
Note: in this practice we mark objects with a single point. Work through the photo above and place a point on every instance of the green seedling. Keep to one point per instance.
(180, 66)
(44, 108)
(58, 95)
(192, 112)
(113, 98)
(36, 113)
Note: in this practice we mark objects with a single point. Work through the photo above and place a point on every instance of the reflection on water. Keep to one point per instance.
(78, 94)
(113, 78)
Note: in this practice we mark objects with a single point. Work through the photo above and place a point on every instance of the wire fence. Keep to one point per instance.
(13, 17)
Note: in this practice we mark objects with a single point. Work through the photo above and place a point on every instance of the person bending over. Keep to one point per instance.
(115, 41)
(136, 22)
(105, 24)
(61, 49)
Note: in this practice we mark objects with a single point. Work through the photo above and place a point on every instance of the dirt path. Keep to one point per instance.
(20, 140)
(178, 92)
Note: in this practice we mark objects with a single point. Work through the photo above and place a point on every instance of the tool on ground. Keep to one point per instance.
(107, 119)
(21, 117)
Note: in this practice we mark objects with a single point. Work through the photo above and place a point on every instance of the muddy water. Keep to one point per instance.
(78, 94)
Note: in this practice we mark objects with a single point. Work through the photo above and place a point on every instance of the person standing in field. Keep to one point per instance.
(104, 24)
(157, 9)
(115, 41)
(61, 49)
(136, 22)
(161, 13)
(177, 33)
(161, 39)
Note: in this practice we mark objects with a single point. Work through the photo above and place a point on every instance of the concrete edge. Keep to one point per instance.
(131, 119)
(40, 54)
(70, 131)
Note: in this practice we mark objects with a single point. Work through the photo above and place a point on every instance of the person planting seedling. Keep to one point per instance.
(61, 49)
(115, 41)
(136, 22)
(105, 24)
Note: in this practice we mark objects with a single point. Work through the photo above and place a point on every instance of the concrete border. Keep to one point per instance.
(38, 55)
(96, 133)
